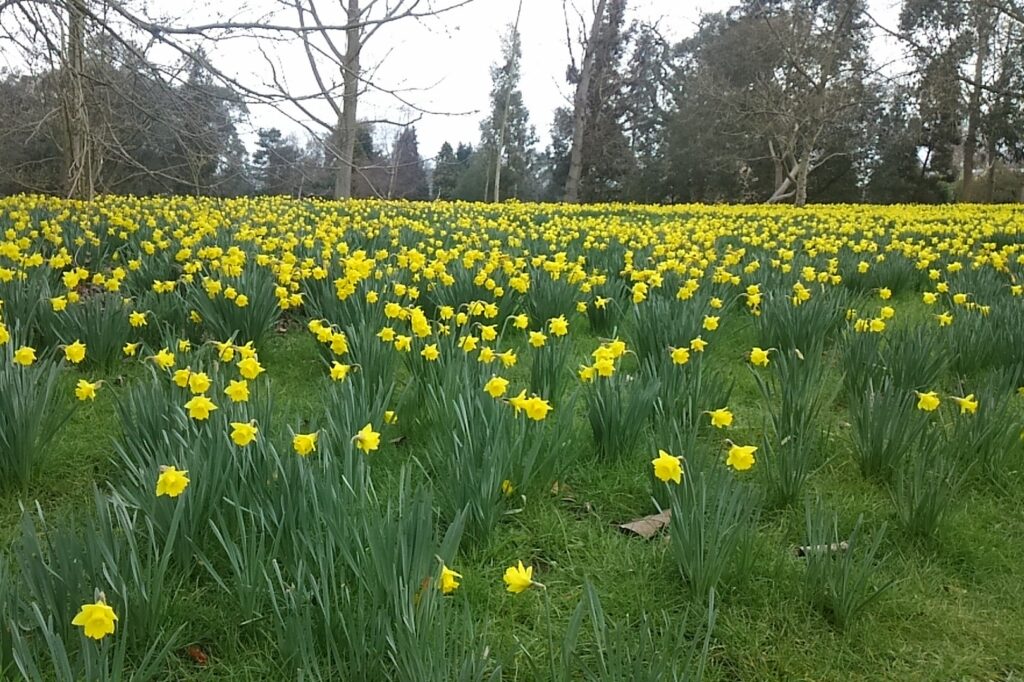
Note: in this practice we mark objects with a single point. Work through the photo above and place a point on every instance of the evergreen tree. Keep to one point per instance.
(896, 174)
(646, 99)
(276, 163)
(475, 175)
(407, 178)
(446, 173)
(369, 172)
(507, 129)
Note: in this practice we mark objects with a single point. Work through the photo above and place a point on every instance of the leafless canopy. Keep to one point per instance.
(331, 34)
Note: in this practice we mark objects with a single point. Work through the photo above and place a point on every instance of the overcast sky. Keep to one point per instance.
(444, 62)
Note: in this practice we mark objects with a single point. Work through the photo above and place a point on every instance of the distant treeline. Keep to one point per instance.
(777, 100)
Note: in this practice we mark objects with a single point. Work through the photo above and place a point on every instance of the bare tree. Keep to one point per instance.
(809, 80)
(117, 119)
(321, 41)
(332, 33)
(820, 83)
(579, 109)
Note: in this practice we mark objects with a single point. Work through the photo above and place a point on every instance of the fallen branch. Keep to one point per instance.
(834, 548)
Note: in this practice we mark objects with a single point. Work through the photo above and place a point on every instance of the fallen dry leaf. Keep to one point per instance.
(198, 656)
(648, 526)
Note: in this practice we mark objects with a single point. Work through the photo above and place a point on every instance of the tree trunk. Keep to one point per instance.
(497, 166)
(81, 183)
(393, 174)
(990, 185)
(783, 177)
(579, 108)
(349, 99)
(982, 28)
(802, 171)
(779, 167)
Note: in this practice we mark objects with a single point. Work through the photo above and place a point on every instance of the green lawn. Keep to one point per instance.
(954, 612)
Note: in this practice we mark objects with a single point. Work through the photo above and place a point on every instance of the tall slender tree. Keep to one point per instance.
(406, 176)
(446, 173)
(506, 135)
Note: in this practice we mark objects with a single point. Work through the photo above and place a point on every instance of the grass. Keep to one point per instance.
(954, 612)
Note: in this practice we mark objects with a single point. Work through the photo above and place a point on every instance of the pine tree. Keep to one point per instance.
(446, 173)
(408, 179)
(507, 129)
